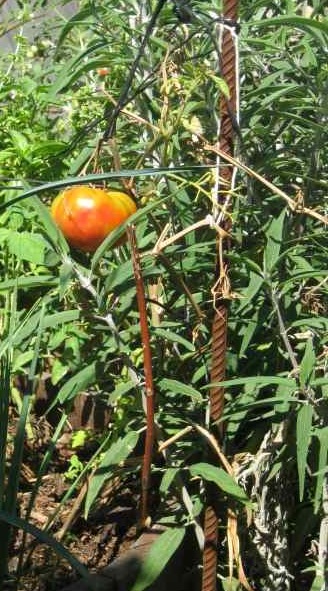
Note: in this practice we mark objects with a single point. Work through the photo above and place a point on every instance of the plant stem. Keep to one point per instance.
(149, 384)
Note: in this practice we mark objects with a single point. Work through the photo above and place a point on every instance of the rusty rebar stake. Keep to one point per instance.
(219, 329)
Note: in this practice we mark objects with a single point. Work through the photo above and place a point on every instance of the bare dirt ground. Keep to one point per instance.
(107, 534)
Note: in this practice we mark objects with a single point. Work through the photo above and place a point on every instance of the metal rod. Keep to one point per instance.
(219, 330)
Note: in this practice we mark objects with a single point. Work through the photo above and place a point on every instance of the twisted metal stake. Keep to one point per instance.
(219, 329)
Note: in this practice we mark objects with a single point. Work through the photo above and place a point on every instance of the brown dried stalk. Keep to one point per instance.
(149, 384)
(294, 204)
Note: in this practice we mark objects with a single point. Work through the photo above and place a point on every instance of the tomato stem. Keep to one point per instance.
(149, 396)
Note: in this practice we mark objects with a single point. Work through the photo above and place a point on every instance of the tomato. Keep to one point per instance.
(86, 215)
(103, 72)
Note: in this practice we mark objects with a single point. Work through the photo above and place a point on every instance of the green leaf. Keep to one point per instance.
(248, 332)
(58, 371)
(221, 478)
(274, 238)
(255, 381)
(46, 539)
(52, 231)
(29, 282)
(47, 148)
(77, 19)
(120, 275)
(303, 439)
(181, 389)
(168, 477)
(117, 452)
(322, 435)
(158, 556)
(20, 142)
(318, 583)
(66, 275)
(307, 366)
(21, 360)
(121, 389)
(255, 283)
(172, 337)
(292, 21)
(76, 384)
(27, 247)
(71, 72)
(97, 178)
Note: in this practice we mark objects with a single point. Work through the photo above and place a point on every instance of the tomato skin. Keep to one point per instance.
(86, 215)
(103, 72)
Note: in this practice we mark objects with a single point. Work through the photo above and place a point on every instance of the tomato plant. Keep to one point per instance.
(86, 215)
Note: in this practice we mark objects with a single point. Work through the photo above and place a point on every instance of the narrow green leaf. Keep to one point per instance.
(29, 322)
(16, 460)
(120, 275)
(44, 538)
(168, 477)
(158, 556)
(117, 452)
(47, 148)
(274, 238)
(58, 371)
(121, 389)
(307, 366)
(255, 283)
(318, 583)
(97, 178)
(172, 337)
(52, 231)
(292, 21)
(5, 367)
(77, 19)
(70, 72)
(256, 381)
(180, 389)
(320, 274)
(303, 439)
(221, 478)
(77, 383)
(322, 435)
(29, 282)
(248, 333)
(65, 277)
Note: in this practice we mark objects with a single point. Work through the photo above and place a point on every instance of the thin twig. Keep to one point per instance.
(292, 203)
(283, 333)
(207, 221)
(110, 130)
(149, 384)
(174, 438)
(215, 446)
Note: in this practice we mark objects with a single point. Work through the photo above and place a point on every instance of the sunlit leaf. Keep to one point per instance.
(158, 556)
(116, 453)
(221, 478)
(180, 389)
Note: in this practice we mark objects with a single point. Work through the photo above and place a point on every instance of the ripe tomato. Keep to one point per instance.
(102, 72)
(87, 215)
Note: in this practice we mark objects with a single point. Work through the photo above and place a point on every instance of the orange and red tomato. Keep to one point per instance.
(86, 215)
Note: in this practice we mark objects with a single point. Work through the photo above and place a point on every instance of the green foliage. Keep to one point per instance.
(75, 315)
(159, 554)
